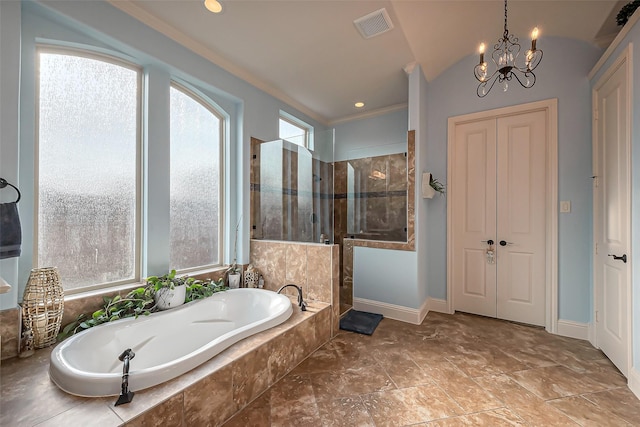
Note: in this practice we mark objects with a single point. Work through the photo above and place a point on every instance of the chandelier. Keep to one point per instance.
(508, 62)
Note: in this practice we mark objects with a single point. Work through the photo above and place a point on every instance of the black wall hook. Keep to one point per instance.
(4, 183)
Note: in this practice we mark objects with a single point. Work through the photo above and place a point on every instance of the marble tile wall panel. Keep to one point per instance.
(167, 414)
(319, 273)
(250, 376)
(254, 179)
(9, 332)
(210, 400)
(270, 259)
(314, 267)
(296, 264)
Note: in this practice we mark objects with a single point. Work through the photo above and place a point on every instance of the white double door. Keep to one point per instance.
(498, 195)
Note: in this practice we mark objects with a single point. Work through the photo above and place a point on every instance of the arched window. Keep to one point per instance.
(88, 168)
(196, 181)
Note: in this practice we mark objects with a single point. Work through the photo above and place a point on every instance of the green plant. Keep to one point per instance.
(437, 185)
(140, 301)
(626, 11)
(169, 280)
(199, 290)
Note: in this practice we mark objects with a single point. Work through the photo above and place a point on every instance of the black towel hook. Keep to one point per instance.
(4, 183)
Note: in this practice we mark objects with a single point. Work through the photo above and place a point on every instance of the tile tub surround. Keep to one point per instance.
(207, 395)
(313, 266)
(452, 370)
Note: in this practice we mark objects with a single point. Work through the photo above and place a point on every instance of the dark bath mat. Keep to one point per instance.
(360, 322)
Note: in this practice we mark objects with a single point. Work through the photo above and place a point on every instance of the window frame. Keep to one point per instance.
(138, 235)
(307, 128)
(214, 109)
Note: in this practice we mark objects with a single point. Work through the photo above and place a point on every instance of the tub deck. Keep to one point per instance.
(210, 393)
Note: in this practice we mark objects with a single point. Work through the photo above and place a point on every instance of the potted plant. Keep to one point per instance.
(437, 185)
(169, 291)
(431, 186)
(626, 11)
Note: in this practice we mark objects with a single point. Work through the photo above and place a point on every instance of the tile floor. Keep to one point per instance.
(453, 370)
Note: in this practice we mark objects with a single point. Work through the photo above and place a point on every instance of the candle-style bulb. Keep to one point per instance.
(481, 48)
(534, 34)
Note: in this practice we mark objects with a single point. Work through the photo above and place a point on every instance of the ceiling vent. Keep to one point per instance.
(375, 23)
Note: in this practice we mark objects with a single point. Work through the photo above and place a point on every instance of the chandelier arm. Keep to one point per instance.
(536, 59)
(493, 81)
(528, 75)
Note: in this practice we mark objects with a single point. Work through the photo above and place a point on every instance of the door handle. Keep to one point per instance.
(488, 242)
(622, 258)
(505, 243)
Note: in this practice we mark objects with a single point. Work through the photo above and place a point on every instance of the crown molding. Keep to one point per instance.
(370, 114)
(179, 37)
(614, 45)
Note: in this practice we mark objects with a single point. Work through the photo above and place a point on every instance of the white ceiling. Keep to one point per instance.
(309, 53)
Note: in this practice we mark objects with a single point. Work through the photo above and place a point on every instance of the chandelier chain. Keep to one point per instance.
(506, 30)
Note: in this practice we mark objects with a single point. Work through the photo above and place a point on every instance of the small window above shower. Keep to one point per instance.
(292, 129)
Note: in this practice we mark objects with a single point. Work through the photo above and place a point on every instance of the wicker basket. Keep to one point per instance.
(43, 306)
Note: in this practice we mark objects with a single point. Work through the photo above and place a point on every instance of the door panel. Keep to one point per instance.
(475, 283)
(521, 217)
(612, 299)
(611, 216)
(473, 188)
(519, 287)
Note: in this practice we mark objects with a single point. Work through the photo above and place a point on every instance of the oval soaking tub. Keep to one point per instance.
(166, 344)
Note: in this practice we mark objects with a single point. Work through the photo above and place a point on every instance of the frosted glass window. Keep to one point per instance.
(195, 182)
(88, 116)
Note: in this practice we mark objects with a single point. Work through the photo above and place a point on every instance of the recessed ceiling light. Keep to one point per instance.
(359, 104)
(213, 6)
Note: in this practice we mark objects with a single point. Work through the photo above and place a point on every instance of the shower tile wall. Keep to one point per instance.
(382, 199)
(291, 193)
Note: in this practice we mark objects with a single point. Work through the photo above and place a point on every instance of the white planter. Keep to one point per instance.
(234, 280)
(166, 298)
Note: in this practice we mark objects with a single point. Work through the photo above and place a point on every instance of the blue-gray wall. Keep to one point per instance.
(372, 136)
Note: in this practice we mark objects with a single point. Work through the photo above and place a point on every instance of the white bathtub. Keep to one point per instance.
(166, 344)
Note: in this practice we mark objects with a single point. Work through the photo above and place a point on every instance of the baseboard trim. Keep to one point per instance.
(401, 313)
(571, 329)
(392, 311)
(634, 381)
(438, 305)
